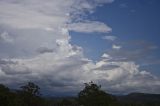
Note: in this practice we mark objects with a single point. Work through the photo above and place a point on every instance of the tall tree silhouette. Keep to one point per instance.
(31, 94)
(92, 95)
(7, 98)
(31, 89)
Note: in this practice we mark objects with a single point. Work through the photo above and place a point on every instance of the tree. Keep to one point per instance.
(66, 102)
(4, 95)
(31, 89)
(92, 95)
(31, 95)
(7, 97)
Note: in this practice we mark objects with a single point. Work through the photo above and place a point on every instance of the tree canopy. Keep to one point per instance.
(92, 95)
(31, 89)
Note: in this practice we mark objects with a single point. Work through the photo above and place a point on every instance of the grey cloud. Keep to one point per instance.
(43, 24)
(5, 38)
(4, 62)
(128, 78)
(74, 71)
(107, 67)
(65, 69)
(44, 50)
(53, 73)
(10, 71)
(13, 67)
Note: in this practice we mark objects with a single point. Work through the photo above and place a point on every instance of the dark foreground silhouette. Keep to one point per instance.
(91, 95)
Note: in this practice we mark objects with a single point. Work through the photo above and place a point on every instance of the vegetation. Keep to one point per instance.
(91, 95)
(27, 96)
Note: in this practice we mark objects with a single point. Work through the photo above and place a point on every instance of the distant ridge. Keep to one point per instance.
(140, 98)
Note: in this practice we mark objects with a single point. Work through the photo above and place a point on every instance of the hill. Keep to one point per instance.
(140, 99)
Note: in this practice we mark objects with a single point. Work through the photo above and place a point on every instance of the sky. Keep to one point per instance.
(62, 44)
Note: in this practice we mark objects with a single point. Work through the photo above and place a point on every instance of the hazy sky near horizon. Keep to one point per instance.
(61, 44)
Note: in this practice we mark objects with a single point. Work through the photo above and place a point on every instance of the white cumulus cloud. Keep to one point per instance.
(41, 51)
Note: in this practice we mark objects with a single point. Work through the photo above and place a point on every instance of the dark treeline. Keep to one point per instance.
(91, 95)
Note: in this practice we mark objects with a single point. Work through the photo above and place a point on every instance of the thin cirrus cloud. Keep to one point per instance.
(110, 38)
(41, 49)
(90, 27)
(134, 51)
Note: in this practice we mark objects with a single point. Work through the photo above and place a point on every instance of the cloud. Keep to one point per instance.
(44, 50)
(53, 75)
(106, 56)
(37, 14)
(41, 51)
(90, 27)
(5, 38)
(46, 69)
(123, 5)
(126, 77)
(116, 47)
(81, 7)
(110, 38)
(134, 51)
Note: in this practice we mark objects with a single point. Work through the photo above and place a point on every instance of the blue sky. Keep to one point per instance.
(61, 44)
(131, 21)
